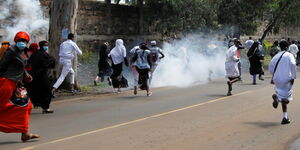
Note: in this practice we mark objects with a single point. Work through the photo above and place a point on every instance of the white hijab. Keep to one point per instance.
(118, 53)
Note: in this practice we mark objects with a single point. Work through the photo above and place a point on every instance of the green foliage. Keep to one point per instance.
(87, 56)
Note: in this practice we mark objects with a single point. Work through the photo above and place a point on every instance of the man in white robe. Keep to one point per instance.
(283, 78)
(231, 66)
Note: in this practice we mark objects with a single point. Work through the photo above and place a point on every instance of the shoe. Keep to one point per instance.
(48, 111)
(261, 78)
(149, 94)
(229, 86)
(285, 121)
(275, 102)
(229, 93)
(254, 82)
(119, 91)
(95, 83)
(135, 90)
(53, 93)
(74, 92)
(109, 81)
(29, 137)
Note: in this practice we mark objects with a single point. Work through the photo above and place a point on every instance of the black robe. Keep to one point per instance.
(103, 65)
(40, 87)
(255, 58)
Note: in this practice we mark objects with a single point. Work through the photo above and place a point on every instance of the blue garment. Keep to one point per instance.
(142, 59)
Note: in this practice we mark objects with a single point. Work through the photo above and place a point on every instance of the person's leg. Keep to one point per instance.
(72, 80)
(64, 73)
(240, 70)
(260, 77)
(285, 119)
(229, 83)
(254, 79)
(96, 79)
(152, 72)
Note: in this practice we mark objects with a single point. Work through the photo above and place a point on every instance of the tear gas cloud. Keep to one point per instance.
(193, 60)
(23, 15)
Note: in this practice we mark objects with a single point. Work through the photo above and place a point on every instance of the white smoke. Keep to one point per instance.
(190, 61)
(23, 15)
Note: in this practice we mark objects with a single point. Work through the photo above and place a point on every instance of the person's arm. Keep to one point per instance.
(149, 57)
(133, 59)
(161, 53)
(6, 59)
(77, 49)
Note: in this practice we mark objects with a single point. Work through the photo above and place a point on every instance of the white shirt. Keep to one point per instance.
(68, 49)
(231, 63)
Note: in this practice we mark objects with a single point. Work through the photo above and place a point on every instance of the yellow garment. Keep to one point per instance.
(4, 47)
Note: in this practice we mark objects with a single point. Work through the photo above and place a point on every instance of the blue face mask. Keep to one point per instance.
(21, 45)
(45, 48)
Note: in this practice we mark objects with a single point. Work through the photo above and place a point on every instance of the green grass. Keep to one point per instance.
(88, 88)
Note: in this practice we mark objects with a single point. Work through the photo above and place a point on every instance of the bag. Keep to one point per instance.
(20, 96)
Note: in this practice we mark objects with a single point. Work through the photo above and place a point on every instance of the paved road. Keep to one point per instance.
(194, 118)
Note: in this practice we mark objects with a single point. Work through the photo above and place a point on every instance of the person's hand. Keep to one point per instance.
(28, 78)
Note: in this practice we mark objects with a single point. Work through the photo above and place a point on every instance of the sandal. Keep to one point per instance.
(29, 137)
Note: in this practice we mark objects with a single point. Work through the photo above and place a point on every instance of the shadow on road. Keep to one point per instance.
(264, 124)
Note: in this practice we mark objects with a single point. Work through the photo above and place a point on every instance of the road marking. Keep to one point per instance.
(134, 121)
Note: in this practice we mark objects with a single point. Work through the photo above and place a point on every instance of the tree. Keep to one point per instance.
(63, 14)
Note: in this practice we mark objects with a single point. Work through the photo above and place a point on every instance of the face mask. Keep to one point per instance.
(21, 45)
(45, 48)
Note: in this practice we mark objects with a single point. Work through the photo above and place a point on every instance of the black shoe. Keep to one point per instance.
(229, 93)
(285, 121)
(261, 78)
(275, 102)
(229, 86)
(48, 111)
(95, 83)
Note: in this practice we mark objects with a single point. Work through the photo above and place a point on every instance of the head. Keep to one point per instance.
(236, 42)
(283, 44)
(294, 42)
(106, 43)
(275, 43)
(70, 36)
(43, 45)
(22, 39)
(153, 43)
(5, 43)
(33, 47)
(250, 38)
(143, 46)
(119, 42)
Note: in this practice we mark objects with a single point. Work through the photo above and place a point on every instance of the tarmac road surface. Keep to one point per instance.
(194, 118)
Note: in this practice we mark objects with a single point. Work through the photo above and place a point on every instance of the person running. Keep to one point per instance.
(67, 51)
(40, 92)
(274, 49)
(231, 66)
(133, 68)
(293, 49)
(118, 56)
(155, 52)
(142, 61)
(14, 113)
(255, 58)
(283, 67)
(4, 47)
(249, 43)
(103, 65)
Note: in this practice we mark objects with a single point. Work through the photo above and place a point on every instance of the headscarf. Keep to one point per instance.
(4, 47)
(33, 47)
(118, 53)
(22, 35)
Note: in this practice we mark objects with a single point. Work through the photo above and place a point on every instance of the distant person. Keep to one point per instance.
(249, 43)
(133, 67)
(239, 51)
(103, 65)
(67, 51)
(255, 58)
(293, 49)
(156, 56)
(283, 67)
(4, 46)
(40, 92)
(15, 106)
(231, 66)
(142, 61)
(118, 56)
(274, 49)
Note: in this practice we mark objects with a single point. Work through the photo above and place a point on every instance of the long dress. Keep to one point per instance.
(13, 118)
(231, 63)
(103, 65)
(285, 72)
(40, 91)
(255, 58)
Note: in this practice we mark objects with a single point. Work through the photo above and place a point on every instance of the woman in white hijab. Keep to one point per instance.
(118, 56)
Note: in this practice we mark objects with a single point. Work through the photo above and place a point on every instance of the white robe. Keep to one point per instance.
(286, 71)
(231, 63)
(294, 50)
(118, 53)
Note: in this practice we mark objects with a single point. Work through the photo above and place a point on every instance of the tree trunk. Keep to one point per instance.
(141, 17)
(63, 20)
(278, 13)
(108, 16)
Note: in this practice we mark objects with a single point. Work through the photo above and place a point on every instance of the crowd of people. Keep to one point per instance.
(24, 77)
(283, 66)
